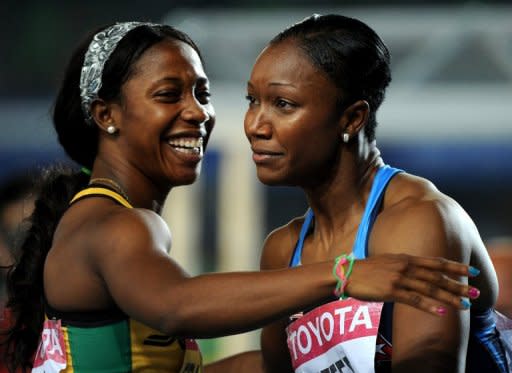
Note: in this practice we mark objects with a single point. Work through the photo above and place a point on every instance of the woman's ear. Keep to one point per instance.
(354, 118)
(102, 114)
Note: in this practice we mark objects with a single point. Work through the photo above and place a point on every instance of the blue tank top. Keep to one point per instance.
(485, 353)
(360, 248)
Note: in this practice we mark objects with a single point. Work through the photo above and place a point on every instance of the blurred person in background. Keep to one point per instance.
(313, 96)
(18, 192)
(95, 289)
(17, 197)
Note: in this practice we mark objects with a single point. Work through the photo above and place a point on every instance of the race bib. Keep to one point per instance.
(51, 352)
(336, 337)
(192, 361)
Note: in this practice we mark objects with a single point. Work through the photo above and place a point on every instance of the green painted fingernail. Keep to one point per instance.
(465, 303)
(473, 271)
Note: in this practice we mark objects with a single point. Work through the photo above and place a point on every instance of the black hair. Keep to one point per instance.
(25, 281)
(16, 187)
(80, 141)
(350, 53)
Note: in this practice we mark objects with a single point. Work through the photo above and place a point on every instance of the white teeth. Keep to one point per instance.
(187, 142)
(189, 151)
(188, 145)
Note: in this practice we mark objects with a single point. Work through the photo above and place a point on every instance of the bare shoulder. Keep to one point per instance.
(279, 244)
(94, 226)
(97, 246)
(419, 219)
(133, 229)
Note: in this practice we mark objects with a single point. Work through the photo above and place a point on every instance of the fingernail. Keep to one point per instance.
(465, 303)
(473, 271)
(441, 310)
(474, 293)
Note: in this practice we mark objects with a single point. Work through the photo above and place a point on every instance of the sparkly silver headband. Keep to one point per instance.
(98, 53)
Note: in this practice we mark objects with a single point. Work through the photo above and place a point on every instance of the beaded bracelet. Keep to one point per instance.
(341, 275)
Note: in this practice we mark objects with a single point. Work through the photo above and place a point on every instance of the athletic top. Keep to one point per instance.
(485, 352)
(108, 341)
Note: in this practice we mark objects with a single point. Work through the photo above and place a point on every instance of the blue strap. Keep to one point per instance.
(295, 261)
(382, 178)
(360, 248)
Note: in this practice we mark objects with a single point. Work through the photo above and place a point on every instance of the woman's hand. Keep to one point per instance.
(426, 283)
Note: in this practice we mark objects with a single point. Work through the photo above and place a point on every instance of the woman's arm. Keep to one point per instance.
(421, 341)
(150, 287)
(388, 277)
(276, 254)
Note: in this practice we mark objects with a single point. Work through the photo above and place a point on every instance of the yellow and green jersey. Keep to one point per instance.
(109, 341)
(127, 346)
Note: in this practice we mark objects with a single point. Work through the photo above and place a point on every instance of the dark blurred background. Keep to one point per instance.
(37, 36)
(447, 115)
(451, 62)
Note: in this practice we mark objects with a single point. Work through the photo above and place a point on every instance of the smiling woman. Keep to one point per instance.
(95, 289)
(171, 100)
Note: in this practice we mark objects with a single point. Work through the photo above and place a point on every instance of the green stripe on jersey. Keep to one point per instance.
(104, 349)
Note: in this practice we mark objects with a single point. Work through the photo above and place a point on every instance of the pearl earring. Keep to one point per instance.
(111, 129)
(346, 137)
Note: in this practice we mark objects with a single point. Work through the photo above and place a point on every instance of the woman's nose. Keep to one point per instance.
(195, 112)
(257, 124)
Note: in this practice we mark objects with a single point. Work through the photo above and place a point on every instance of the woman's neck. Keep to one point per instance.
(135, 187)
(339, 204)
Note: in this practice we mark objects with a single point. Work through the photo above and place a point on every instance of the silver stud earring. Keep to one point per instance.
(346, 137)
(111, 129)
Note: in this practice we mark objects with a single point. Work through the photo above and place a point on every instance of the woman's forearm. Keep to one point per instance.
(229, 303)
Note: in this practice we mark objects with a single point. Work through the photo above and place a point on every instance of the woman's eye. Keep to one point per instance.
(280, 103)
(168, 94)
(203, 96)
(250, 98)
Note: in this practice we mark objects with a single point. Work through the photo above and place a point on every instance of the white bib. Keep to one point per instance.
(339, 336)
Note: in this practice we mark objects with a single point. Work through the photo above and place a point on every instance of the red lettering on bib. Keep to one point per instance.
(340, 332)
(51, 352)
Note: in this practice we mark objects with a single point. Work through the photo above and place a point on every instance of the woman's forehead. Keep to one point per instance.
(286, 61)
(284, 50)
(169, 57)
